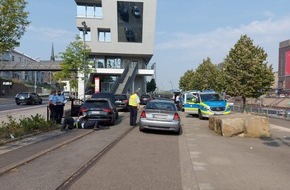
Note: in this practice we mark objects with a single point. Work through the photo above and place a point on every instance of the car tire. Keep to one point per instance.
(40, 102)
(141, 129)
(180, 131)
(112, 122)
(18, 103)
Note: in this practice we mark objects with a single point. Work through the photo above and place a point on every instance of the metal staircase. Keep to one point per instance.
(125, 80)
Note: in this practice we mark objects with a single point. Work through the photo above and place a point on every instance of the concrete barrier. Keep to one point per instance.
(240, 124)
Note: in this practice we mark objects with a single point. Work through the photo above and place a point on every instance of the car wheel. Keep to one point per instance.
(113, 121)
(200, 115)
(17, 103)
(179, 132)
(40, 102)
(141, 129)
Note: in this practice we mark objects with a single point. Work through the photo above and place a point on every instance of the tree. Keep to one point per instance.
(151, 86)
(185, 81)
(73, 62)
(205, 76)
(13, 22)
(246, 72)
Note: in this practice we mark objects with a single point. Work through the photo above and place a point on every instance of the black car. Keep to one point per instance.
(28, 98)
(98, 109)
(145, 98)
(122, 101)
(108, 95)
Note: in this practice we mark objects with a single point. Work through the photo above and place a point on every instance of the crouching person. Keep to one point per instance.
(68, 123)
(71, 123)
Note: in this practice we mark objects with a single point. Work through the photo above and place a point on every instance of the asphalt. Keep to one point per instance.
(211, 161)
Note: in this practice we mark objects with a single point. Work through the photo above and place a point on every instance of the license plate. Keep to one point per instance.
(95, 112)
(158, 116)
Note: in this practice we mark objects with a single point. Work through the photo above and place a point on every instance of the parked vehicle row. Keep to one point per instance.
(103, 108)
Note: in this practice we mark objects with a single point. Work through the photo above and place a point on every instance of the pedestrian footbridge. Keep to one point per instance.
(33, 66)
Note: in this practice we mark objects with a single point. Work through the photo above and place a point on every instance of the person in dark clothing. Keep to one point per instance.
(68, 123)
(59, 106)
(51, 105)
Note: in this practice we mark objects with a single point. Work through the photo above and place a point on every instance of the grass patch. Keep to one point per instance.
(17, 129)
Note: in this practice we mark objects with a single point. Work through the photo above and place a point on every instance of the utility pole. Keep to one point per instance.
(85, 66)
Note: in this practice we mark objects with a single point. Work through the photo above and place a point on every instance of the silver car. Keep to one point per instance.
(160, 115)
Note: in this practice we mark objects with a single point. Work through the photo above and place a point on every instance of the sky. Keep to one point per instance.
(186, 31)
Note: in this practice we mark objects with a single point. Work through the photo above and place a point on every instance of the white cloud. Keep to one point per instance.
(193, 48)
(267, 34)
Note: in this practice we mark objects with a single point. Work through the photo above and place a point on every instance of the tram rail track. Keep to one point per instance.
(39, 154)
(80, 170)
(75, 176)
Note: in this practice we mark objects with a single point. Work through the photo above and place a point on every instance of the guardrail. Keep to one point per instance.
(282, 113)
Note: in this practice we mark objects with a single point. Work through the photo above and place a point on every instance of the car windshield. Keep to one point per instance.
(168, 106)
(210, 97)
(145, 96)
(23, 95)
(120, 97)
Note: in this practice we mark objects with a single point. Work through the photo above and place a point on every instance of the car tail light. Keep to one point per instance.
(176, 117)
(83, 110)
(143, 114)
(107, 109)
(125, 101)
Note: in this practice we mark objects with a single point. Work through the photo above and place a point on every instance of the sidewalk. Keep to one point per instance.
(229, 163)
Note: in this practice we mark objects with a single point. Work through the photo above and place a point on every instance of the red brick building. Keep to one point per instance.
(284, 67)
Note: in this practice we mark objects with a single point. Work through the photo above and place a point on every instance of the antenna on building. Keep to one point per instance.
(52, 58)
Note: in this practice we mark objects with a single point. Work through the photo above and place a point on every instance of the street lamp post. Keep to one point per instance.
(85, 67)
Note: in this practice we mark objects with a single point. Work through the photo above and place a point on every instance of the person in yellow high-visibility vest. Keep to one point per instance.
(134, 106)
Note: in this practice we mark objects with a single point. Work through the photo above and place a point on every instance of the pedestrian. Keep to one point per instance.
(134, 106)
(60, 102)
(177, 101)
(52, 105)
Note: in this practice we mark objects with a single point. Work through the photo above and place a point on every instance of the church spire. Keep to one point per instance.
(52, 58)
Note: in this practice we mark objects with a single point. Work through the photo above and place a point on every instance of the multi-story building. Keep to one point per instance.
(120, 35)
(284, 67)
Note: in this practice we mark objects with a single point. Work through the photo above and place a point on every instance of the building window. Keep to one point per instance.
(12, 57)
(114, 63)
(99, 63)
(130, 21)
(88, 36)
(104, 35)
(90, 11)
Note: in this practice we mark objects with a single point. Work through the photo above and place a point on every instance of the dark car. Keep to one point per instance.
(130, 35)
(28, 98)
(122, 101)
(98, 109)
(145, 98)
(108, 95)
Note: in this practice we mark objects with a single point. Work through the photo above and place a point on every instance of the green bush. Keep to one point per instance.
(25, 126)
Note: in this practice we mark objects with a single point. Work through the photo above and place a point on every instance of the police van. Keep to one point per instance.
(204, 104)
